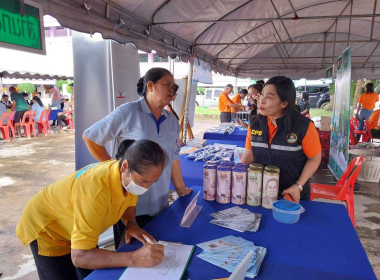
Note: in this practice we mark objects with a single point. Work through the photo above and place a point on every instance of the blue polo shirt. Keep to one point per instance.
(134, 120)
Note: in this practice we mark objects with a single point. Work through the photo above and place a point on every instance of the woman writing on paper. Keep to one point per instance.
(62, 223)
(145, 118)
(281, 136)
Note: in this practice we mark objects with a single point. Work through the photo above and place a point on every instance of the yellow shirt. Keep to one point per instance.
(74, 211)
(368, 100)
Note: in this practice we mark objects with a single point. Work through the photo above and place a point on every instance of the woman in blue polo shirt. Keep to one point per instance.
(145, 118)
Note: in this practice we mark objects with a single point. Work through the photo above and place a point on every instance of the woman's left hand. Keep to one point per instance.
(135, 231)
(185, 191)
(295, 192)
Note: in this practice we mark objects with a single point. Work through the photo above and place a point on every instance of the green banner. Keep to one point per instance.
(21, 31)
(339, 143)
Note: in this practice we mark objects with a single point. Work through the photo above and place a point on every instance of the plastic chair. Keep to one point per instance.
(32, 123)
(353, 140)
(344, 188)
(353, 125)
(12, 117)
(25, 124)
(44, 123)
(369, 134)
(5, 127)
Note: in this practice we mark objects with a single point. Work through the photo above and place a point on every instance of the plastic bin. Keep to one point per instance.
(287, 216)
(371, 168)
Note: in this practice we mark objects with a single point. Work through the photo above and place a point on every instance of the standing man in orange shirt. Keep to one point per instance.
(225, 104)
(366, 102)
(237, 99)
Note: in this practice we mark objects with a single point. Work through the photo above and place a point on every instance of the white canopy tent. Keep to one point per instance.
(247, 38)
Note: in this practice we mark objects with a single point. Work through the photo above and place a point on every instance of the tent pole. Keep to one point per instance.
(189, 82)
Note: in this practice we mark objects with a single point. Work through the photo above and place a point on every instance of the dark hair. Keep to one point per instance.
(4, 95)
(305, 95)
(259, 87)
(25, 94)
(141, 155)
(38, 100)
(153, 74)
(369, 88)
(174, 113)
(287, 92)
(230, 86)
(260, 82)
(243, 91)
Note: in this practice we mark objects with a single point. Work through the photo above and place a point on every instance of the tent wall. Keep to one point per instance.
(101, 68)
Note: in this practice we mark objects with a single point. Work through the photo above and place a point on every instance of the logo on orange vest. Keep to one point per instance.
(256, 132)
(291, 138)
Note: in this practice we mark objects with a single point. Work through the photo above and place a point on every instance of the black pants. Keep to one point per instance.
(57, 268)
(61, 120)
(375, 133)
(118, 228)
(225, 117)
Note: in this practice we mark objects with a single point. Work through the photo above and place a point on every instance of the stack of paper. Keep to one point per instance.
(228, 252)
(196, 143)
(237, 218)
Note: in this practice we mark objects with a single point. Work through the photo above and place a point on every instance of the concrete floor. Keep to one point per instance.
(28, 165)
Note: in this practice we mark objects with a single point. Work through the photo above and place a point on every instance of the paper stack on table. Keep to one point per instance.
(237, 218)
(196, 142)
(228, 252)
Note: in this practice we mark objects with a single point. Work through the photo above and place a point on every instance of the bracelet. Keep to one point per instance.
(298, 185)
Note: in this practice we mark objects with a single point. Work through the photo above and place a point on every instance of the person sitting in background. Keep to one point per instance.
(366, 104)
(39, 107)
(65, 114)
(225, 104)
(55, 98)
(374, 123)
(4, 107)
(5, 101)
(26, 97)
(254, 92)
(305, 103)
(237, 99)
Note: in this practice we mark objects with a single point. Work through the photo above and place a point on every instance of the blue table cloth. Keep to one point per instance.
(237, 135)
(192, 172)
(322, 245)
(54, 114)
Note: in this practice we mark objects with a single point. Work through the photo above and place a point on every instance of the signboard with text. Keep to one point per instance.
(23, 33)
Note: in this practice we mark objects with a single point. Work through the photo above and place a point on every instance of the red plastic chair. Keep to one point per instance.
(344, 188)
(44, 123)
(11, 117)
(353, 125)
(6, 127)
(353, 140)
(32, 123)
(369, 134)
(25, 124)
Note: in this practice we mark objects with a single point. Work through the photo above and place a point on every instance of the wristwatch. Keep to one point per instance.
(298, 185)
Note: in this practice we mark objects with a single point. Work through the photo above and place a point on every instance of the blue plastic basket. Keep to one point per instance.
(287, 216)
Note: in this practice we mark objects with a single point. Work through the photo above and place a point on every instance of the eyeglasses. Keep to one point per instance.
(175, 87)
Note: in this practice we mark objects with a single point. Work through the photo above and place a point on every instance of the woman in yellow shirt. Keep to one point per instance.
(366, 104)
(62, 223)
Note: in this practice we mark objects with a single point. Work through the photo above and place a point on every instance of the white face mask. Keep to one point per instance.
(133, 188)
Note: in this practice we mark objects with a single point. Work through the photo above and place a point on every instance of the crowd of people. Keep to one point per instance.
(21, 103)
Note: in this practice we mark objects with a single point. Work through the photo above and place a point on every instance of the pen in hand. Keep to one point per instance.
(147, 239)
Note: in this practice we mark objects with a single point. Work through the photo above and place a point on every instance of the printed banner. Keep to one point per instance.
(339, 143)
(202, 72)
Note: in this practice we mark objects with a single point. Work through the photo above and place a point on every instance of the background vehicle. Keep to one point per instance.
(210, 98)
(319, 95)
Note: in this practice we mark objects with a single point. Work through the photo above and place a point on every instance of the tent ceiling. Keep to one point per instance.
(248, 38)
(31, 76)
